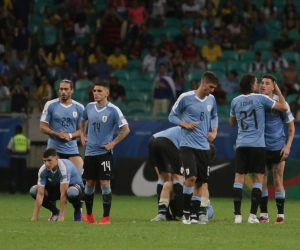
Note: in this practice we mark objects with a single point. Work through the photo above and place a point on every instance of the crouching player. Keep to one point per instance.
(58, 179)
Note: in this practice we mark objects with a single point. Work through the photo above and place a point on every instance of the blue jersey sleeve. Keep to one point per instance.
(267, 101)
(84, 113)
(42, 176)
(232, 110)
(177, 110)
(214, 115)
(47, 112)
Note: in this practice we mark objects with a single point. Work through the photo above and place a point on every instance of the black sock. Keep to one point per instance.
(89, 200)
(195, 206)
(202, 210)
(172, 206)
(47, 203)
(178, 189)
(187, 202)
(76, 203)
(255, 200)
(162, 209)
(237, 200)
(106, 204)
(159, 188)
(264, 204)
(280, 205)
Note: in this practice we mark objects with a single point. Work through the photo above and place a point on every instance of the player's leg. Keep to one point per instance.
(264, 216)
(74, 194)
(178, 193)
(278, 170)
(195, 203)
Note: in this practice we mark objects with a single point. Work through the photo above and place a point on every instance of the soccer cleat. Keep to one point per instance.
(186, 219)
(263, 219)
(105, 220)
(83, 217)
(54, 217)
(91, 219)
(279, 220)
(253, 219)
(77, 216)
(238, 218)
(160, 217)
(203, 218)
(195, 221)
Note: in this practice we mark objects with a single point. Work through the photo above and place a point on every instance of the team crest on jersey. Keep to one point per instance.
(208, 108)
(104, 118)
(74, 114)
(45, 111)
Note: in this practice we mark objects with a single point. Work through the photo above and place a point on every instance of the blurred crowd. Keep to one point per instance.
(168, 43)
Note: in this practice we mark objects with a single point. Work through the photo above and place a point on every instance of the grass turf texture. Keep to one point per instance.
(131, 227)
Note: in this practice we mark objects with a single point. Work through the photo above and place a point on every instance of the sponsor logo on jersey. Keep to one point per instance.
(104, 118)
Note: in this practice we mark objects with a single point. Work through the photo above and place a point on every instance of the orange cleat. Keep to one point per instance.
(84, 217)
(279, 220)
(105, 220)
(90, 219)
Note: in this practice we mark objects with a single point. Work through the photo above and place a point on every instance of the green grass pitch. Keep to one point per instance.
(131, 227)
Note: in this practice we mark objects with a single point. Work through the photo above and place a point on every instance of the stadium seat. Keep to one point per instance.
(156, 32)
(294, 34)
(229, 55)
(171, 32)
(291, 55)
(136, 106)
(200, 42)
(262, 45)
(145, 52)
(220, 74)
(134, 64)
(273, 24)
(291, 98)
(52, 73)
(121, 74)
(278, 76)
(135, 75)
(80, 96)
(258, 75)
(188, 21)
(145, 85)
(275, 35)
(266, 56)
(82, 84)
(224, 111)
(279, 3)
(194, 75)
(248, 56)
(142, 96)
(218, 66)
(149, 76)
(238, 66)
(231, 96)
(122, 106)
(172, 22)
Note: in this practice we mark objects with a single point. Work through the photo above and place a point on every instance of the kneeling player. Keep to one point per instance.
(58, 179)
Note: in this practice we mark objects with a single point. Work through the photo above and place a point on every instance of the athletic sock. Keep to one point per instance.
(178, 196)
(195, 206)
(187, 196)
(107, 197)
(255, 197)
(264, 202)
(163, 206)
(159, 188)
(89, 199)
(237, 197)
(47, 203)
(172, 206)
(280, 198)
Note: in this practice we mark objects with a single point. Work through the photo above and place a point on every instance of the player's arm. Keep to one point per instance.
(291, 133)
(82, 131)
(63, 200)
(214, 125)
(232, 120)
(281, 104)
(38, 202)
(124, 131)
(44, 128)
(173, 117)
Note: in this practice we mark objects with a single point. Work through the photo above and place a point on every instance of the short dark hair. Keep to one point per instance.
(210, 77)
(68, 81)
(212, 151)
(50, 152)
(18, 129)
(246, 83)
(268, 76)
(103, 83)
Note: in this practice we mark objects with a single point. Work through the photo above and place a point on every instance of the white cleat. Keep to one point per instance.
(160, 217)
(203, 218)
(186, 219)
(194, 221)
(238, 219)
(253, 219)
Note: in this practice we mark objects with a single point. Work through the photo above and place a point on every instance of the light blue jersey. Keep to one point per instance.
(249, 111)
(102, 122)
(61, 117)
(65, 172)
(274, 130)
(193, 109)
(173, 134)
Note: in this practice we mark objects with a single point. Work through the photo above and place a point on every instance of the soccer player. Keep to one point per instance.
(100, 118)
(58, 179)
(164, 156)
(60, 120)
(248, 111)
(277, 150)
(198, 111)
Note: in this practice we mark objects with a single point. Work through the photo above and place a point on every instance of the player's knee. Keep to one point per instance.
(72, 192)
(89, 191)
(33, 191)
(106, 189)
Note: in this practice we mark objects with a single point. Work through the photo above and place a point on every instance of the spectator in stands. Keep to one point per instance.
(211, 52)
(276, 63)
(137, 14)
(227, 12)
(67, 26)
(167, 45)
(41, 65)
(177, 58)
(220, 95)
(149, 61)
(197, 30)
(121, 6)
(21, 68)
(295, 108)
(4, 67)
(235, 26)
(163, 57)
(290, 22)
(146, 39)
(196, 65)
(289, 6)
(290, 79)
(116, 91)
(81, 69)
(50, 14)
(135, 51)
(269, 10)
(19, 97)
(194, 84)
(44, 93)
(72, 56)
(230, 84)
(82, 32)
(50, 34)
(90, 89)
(4, 30)
(210, 27)
(56, 57)
(111, 30)
(163, 92)
(178, 77)
(92, 58)
(209, 9)
(4, 95)
(65, 72)
(189, 50)
(21, 10)
(248, 11)
(21, 38)
(117, 60)
(283, 44)
(100, 69)
(260, 31)
(90, 48)
(180, 39)
(190, 9)
(257, 65)
(157, 15)
(243, 42)
(226, 40)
